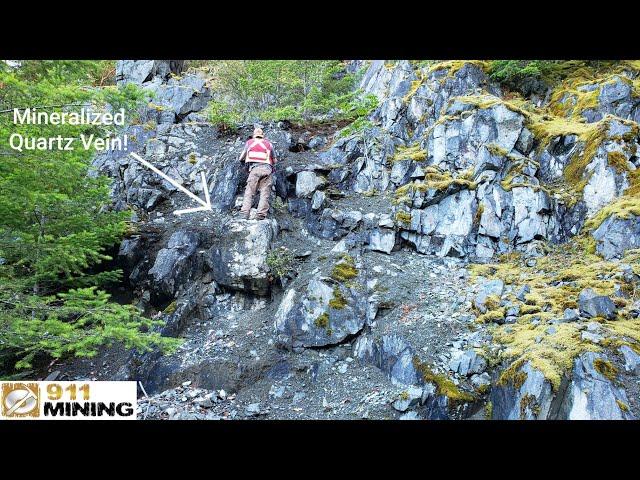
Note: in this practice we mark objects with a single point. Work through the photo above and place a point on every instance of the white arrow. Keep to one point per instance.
(206, 203)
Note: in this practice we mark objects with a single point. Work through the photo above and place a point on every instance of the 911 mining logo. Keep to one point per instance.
(20, 400)
(68, 400)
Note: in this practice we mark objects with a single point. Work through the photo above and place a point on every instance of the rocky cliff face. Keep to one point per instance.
(357, 298)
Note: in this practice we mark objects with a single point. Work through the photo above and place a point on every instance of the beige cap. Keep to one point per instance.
(257, 132)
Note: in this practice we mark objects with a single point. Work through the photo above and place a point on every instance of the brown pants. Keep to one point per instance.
(260, 179)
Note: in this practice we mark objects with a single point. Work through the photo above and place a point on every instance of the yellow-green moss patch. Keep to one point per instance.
(345, 269)
(605, 368)
(403, 217)
(338, 301)
(436, 179)
(444, 385)
(513, 375)
(623, 406)
(171, 308)
(412, 91)
(618, 161)
(322, 321)
(555, 283)
(412, 152)
(492, 316)
(624, 207)
(488, 410)
(454, 65)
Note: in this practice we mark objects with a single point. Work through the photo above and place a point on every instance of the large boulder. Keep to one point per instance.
(524, 395)
(486, 289)
(392, 354)
(604, 183)
(616, 235)
(443, 229)
(616, 96)
(176, 98)
(467, 362)
(307, 182)
(592, 394)
(382, 240)
(457, 143)
(631, 359)
(176, 264)
(594, 305)
(320, 314)
(225, 183)
(531, 213)
(239, 258)
(385, 80)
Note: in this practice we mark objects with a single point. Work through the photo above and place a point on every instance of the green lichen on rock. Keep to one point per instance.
(322, 321)
(403, 217)
(529, 402)
(488, 410)
(171, 308)
(444, 385)
(345, 269)
(605, 368)
(436, 179)
(338, 302)
(623, 406)
(412, 152)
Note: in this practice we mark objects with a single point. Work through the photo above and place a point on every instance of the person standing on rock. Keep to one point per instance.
(260, 155)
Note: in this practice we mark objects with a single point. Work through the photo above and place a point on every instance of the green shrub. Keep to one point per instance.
(280, 261)
(223, 116)
(355, 127)
(295, 90)
(512, 71)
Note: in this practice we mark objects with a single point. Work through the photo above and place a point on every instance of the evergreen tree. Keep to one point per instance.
(56, 223)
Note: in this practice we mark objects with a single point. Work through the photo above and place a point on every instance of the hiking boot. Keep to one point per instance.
(242, 216)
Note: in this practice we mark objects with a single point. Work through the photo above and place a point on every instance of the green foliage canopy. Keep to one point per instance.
(272, 90)
(56, 223)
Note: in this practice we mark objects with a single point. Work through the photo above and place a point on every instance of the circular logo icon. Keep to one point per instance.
(20, 401)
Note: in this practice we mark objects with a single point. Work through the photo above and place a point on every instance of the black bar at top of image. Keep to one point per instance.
(394, 32)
